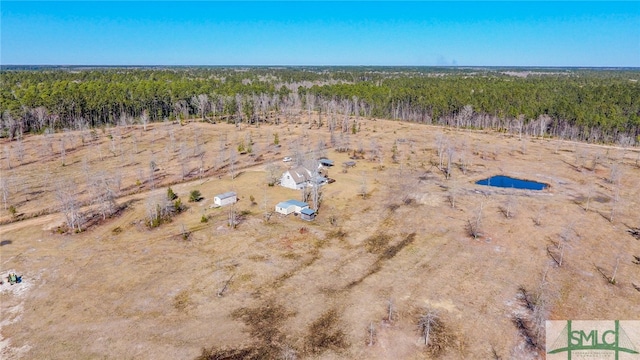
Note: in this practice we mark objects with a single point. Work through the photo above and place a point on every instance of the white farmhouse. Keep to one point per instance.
(296, 178)
(225, 198)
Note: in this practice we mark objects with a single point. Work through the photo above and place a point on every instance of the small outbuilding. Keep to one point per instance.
(307, 214)
(291, 206)
(227, 198)
(325, 162)
(284, 208)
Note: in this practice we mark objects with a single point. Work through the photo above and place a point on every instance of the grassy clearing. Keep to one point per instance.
(307, 290)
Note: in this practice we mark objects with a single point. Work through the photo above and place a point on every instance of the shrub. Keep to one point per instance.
(181, 300)
(195, 196)
(177, 205)
(171, 195)
(204, 219)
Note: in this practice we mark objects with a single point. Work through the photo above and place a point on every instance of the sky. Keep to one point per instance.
(424, 33)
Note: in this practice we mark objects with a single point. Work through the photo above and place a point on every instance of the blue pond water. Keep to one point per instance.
(509, 182)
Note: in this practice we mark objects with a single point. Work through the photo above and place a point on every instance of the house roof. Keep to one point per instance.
(297, 203)
(307, 211)
(283, 204)
(326, 162)
(300, 174)
(286, 204)
(226, 195)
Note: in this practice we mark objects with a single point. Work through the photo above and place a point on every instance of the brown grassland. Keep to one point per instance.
(351, 284)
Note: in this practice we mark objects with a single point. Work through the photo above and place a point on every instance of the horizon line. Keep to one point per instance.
(316, 65)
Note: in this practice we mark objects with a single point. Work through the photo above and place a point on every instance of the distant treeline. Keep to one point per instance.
(580, 104)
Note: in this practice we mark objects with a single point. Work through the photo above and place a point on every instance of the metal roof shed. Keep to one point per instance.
(307, 214)
(326, 162)
(227, 198)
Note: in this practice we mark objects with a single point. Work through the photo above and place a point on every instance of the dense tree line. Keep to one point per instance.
(588, 105)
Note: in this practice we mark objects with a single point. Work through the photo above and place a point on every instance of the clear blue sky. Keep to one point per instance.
(321, 33)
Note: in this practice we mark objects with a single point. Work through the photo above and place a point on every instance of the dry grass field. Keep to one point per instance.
(351, 284)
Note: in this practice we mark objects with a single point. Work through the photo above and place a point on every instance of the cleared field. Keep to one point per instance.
(314, 289)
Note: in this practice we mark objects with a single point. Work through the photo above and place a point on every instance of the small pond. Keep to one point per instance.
(509, 182)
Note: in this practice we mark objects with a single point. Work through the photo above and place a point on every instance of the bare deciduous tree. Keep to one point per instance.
(615, 271)
(5, 188)
(474, 224)
(7, 156)
(48, 140)
(464, 160)
(371, 334)
(40, 113)
(452, 193)
(615, 175)
(67, 196)
(450, 152)
(537, 306)
(537, 218)
(134, 144)
(441, 145)
(590, 192)
(201, 168)
(232, 162)
(364, 190)
(197, 143)
(184, 160)
(158, 207)
(321, 148)
(144, 119)
(181, 108)
(220, 292)
(391, 311)
(184, 233)
(153, 167)
(508, 208)
(616, 181)
(104, 189)
(316, 195)
(63, 148)
(222, 147)
(523, 144)
(232, 217)
(610, 279)
(426, 323)
(566, 236)
(201, 103)
(20, 152)
(273, 173)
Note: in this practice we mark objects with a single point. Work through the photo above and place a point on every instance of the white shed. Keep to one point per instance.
(284, 208)
(225, 198)
(291, 206)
